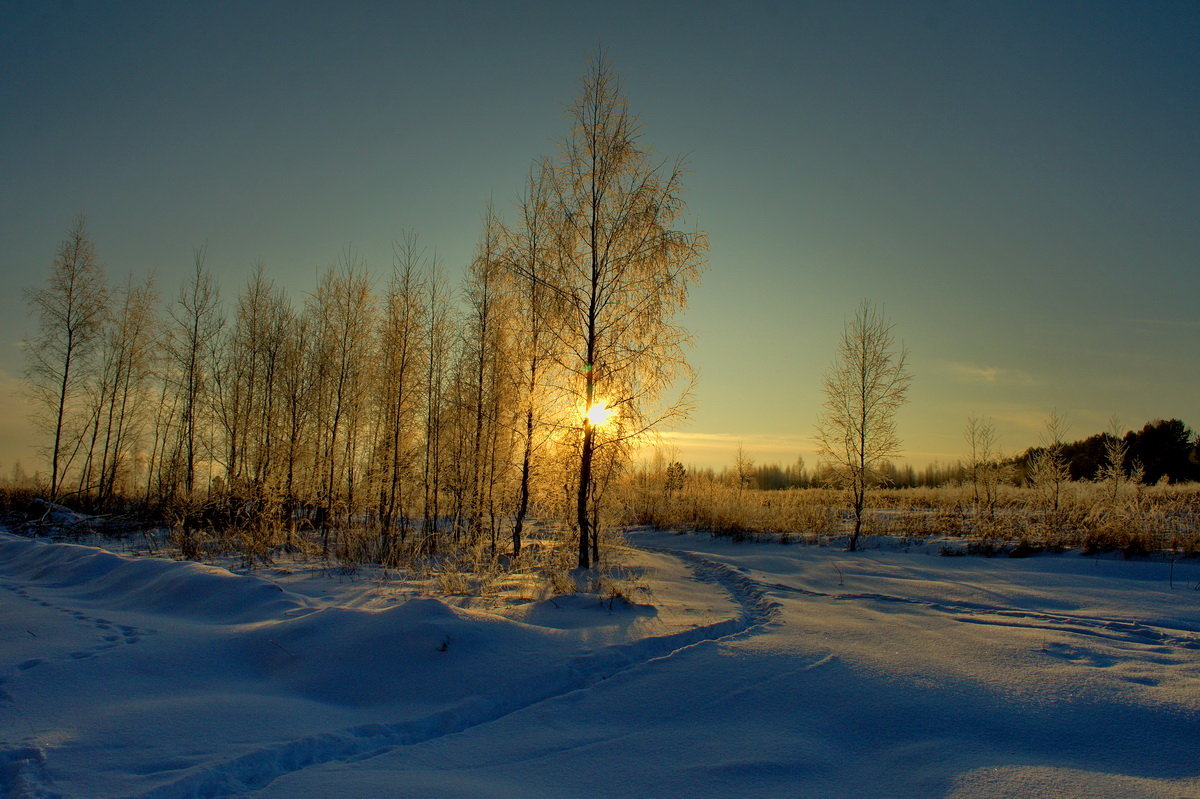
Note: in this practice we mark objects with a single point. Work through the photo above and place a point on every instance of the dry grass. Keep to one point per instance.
(1137, 520)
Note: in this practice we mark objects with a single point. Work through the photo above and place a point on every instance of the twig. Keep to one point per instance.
(282, 648)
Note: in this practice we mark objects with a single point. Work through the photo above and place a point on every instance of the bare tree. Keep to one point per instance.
(266, 413)
(159, 484)
(71, 309)
(298, 380)
(864, 388)
(401, 341)
(232, 391)
(743, 467)
(622, 271)
(130, 349)
(527, 257)
(1048, 471)
(980, 436)
(1113, 471)
(437, 350)
(248, 407)
(197, 323)
(343, 309)
(485, 343)
(983, 466)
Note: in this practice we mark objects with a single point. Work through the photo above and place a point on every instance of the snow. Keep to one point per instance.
(746, 669)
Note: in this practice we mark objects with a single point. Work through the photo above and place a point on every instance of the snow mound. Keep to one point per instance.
(571, 611)
(357, 657)
(53, 513)
(154, 585)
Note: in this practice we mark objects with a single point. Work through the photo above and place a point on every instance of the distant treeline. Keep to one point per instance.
(1161, 450)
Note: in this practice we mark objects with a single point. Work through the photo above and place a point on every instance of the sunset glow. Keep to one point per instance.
(599, 414)
(600, 399)
(981, 188)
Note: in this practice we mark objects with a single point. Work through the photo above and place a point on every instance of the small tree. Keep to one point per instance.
(743, 467)
(1048, 466)
(1113, 473)
(864, 388)
(980, 436)
(676, 474)
(985, 467)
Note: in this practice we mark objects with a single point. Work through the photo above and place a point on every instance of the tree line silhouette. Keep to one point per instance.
(1161, 450)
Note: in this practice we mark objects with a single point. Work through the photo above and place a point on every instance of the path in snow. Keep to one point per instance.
(918, 675)
(822, 703)
(110, 634)
(26, 770)
(258, 769)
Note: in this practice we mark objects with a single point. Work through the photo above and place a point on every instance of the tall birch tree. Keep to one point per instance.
(527, 257)
(623, 268)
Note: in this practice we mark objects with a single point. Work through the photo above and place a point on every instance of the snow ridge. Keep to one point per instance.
(259, 768)
(175, 588)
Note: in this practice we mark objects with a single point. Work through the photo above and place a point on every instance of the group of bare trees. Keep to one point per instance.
(402, 407)
(89, 370)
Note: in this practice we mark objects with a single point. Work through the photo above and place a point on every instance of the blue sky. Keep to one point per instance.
(1018, 184)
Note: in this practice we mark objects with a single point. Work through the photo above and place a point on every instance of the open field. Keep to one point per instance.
(1137, 520)
(754, 668)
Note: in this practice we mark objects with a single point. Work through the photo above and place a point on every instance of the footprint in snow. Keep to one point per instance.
(1074, 654)
(128, 634)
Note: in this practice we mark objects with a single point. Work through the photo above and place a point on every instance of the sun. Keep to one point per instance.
(599, 414)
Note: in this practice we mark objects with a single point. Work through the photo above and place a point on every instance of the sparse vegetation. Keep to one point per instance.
(1139, 520)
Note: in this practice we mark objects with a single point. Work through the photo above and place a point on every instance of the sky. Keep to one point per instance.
(1016, 184)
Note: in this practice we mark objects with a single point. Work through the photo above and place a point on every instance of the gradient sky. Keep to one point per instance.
(1018, 184)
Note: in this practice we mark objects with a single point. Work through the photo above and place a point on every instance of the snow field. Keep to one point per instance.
(751, 669)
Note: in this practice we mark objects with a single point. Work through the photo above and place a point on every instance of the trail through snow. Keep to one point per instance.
(259, 768)
(758, 670)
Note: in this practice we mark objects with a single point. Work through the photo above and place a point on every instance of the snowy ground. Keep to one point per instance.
(748, 670)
